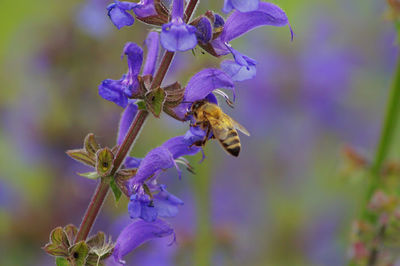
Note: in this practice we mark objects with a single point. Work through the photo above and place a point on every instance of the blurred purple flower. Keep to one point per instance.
(240, 5)
(90, 18)
(177, 35)
(137, 233)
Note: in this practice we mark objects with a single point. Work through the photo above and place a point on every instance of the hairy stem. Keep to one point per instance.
(134, 130)
(102, 189)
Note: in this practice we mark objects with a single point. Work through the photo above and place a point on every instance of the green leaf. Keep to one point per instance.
(117, 192)
(141, 105)
(55, 249)
(104, 161)
(71, 231)
(80, 155)
(79, 252)
(60, 261)
(155, 100)
(90, 175)
(90, 144)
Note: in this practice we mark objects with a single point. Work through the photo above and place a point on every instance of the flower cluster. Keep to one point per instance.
(136, 90)
(149, 200)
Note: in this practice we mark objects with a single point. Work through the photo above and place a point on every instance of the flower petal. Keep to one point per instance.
(244, 5)
(242, 68)
(177, 36)
(204, 82)
(137, 233)
(157, 159)
(126, 120)
(113, 90)
(204, 31)
(152, 42)
(239, 23)
(119, 16)
(132, 162)
(178, 147)
(134, 54)
(145, 8)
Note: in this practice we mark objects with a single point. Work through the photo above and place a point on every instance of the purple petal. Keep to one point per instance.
(219, 21)
(152, 43)
(177, 9)
(134, 208)
(137, 233)
(157, 159)
(239, 23)
(145, 9)
(177, 36)
(132, 162)
(149, 213)
(241, 5)
(119, 16)
(126, 120)
(178, 147)
(242, 68)
(134, 54)
(204, 30)
(194, 134)
(113, 90)
(204, 82)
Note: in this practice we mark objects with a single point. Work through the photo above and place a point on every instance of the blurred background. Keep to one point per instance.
(289, 199)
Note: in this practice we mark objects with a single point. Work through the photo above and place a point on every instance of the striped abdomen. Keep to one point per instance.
(232, 143)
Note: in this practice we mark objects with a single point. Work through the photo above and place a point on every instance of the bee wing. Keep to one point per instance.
(239, 127)
(220, 127)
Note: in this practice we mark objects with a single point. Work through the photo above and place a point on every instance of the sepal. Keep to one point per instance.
(154, 100)
(87, 154)
(78, 253)
(104, 162)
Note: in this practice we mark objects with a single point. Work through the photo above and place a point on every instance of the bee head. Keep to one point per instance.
(197, 104)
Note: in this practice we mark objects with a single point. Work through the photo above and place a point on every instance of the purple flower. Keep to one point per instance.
(118, 12)
(201, 85)
(239, 23)
(241, 5)
(204, 31)
(118, 91)
(137, 233)
(242, 68)
(126, 120)
(177, 35)
(141, 206)
(153, 202)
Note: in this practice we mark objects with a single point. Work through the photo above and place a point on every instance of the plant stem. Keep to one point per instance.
(93, 209)
(386, 138)
(102, 189)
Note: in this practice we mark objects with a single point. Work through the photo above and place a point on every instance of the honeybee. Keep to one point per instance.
(210, 117)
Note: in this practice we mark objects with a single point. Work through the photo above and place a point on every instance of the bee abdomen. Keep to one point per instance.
(232, 143)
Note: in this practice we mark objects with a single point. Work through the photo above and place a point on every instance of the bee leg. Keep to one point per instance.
(207, 136)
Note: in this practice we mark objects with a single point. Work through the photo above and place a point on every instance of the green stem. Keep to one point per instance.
(204, 233)
(386, 138)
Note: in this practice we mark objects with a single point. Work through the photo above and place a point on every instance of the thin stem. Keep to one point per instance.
(168, 56)
(385, 141)
(386, 138)
(102, 189)
(92, 211)
(133, 132)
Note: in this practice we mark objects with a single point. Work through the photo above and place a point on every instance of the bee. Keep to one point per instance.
(210, 117)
